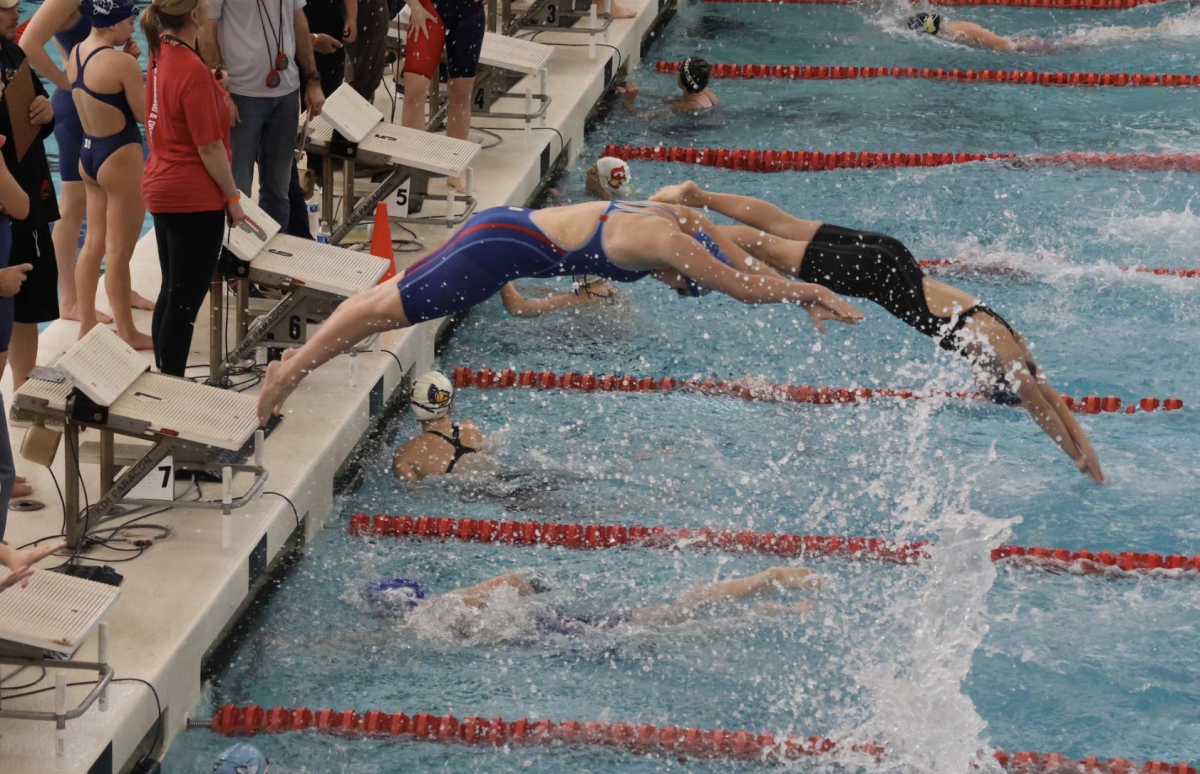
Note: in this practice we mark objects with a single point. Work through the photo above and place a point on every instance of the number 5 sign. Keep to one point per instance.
(159, 484)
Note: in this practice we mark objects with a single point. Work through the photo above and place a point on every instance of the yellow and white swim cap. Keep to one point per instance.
(432, 396)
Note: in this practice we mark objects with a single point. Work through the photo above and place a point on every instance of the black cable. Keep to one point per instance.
(295, 512)
(620, 58)
(561, 141)
(21, 687)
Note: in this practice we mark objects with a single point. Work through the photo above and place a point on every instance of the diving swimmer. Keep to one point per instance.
(407, 595)
(971, 34)
(881, 269)
(619, 241)
(693, 82)
(442, 444)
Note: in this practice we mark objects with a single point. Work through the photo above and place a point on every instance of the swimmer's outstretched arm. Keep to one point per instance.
(775, 579)
(477, 595)
(971, 34)
(1048, 409)
(755, 213)
(519, 306)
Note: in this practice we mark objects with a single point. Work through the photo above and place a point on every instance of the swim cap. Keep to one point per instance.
(432, 396)
(395, 593)
(242, 758)
(926, 22)
(694, 73)
(106, 13)
(695, 289)
(614, 174)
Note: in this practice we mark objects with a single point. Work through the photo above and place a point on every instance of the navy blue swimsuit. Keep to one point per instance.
(497, 246)
(68, 131)
(96, 150)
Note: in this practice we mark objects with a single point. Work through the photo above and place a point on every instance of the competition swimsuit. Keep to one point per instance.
(457, 26)
(96, 150)
(68, 131)
(880, 268)
(551, 622)
(502, 244)
(453, 439)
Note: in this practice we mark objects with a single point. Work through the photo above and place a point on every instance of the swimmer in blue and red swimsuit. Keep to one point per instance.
(619, 241)
(405, 595)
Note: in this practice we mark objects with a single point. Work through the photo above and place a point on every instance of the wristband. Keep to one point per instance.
(234, 199)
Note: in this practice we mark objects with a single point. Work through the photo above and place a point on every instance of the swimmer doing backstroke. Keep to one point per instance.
(619, 241)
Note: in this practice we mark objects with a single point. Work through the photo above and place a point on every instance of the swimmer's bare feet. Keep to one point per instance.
(86, 327)
(21, 488)
(138, 301)
(686, 193)
(275, 391)
(617, 10)
(139, 341)
(457, 183)
(794, 577)
(72, 313)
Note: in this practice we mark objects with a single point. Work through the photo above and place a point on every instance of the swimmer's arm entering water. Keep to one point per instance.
(780, 578)
(477, 595)
(971, 34)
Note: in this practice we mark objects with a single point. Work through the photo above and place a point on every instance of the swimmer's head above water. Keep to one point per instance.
(925, 22)
(693, 75)
(395, 593)
(432, 396)
(242, 758)
(610, 178)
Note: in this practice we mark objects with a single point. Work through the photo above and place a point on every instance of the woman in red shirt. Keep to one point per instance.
(188, 184)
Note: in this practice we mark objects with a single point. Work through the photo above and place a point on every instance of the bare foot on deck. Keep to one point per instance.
(72, 313)
(139, 340)
(618, 11)
(85, 328)
(457, 183)
(274, 392)
(21, 488)
(138, 301)
(686, 193)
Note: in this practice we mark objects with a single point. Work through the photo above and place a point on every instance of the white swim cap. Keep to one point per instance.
(432, 396)
(614, 174)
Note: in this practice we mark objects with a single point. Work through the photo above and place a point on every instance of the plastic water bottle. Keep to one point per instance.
(323, 233)
(314, 215)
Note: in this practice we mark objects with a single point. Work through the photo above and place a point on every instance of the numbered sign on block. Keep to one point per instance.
(397, 203)
(159, 484)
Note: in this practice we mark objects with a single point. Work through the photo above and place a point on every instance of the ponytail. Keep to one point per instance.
(155, 20)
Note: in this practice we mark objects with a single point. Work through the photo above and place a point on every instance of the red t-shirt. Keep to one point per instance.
(186, 109)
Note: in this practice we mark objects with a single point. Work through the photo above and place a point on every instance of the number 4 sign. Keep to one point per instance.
(159, 484)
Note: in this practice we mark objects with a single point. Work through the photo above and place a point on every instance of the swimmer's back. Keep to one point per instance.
(430, 454)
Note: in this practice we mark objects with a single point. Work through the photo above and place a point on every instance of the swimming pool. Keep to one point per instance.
(938, 660)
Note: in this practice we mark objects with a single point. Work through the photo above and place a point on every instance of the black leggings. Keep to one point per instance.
(189, 244)
(876, 267)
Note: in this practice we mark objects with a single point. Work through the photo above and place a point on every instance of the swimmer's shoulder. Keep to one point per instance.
(470, 434)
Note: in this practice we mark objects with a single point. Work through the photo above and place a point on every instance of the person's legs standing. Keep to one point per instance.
(328, 17)
(192, 246)
(38, 300)
(276, 149)
(297, 222)
(245, 137)
(369, 52)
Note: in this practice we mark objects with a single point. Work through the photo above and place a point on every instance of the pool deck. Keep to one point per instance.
(182, 597)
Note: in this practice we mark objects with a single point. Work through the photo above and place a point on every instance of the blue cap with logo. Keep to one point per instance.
(242, 758)
(106, 13)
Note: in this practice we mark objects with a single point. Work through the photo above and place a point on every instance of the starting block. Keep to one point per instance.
(102, 383)
(313, 277)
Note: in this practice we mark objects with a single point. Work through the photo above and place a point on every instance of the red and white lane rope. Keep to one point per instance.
(1025, 77)
(594, 537)
(1072, 5)
(944, 263)
(718, 744)
(765, 392)
(748, 160)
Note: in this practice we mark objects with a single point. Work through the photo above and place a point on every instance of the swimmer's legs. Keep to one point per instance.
(745, 209)
(783, 255)
(374, 310)
(781, 578)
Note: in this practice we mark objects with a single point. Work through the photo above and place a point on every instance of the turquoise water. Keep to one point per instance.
(939, 660)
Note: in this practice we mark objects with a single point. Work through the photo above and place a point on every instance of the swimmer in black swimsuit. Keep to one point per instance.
(693, 82)
(881, 269)
(407, 595)
(976, 36)
(442, 445)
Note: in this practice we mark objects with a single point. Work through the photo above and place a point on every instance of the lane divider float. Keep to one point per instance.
(747, 160)
(1067, 5)
(1024, 77)
(593, 537)
(940, 263)
(719, 744)
(764, 392)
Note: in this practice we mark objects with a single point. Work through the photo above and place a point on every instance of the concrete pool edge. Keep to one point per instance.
(185, 595)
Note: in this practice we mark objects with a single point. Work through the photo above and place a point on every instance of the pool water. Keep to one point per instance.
(939, 660)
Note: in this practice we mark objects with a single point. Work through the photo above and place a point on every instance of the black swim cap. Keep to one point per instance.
(926, 22)
(694, 74)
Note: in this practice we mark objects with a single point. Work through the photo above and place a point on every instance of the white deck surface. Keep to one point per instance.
(180, 594)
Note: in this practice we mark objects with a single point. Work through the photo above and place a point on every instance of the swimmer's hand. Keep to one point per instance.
(1089, 464)
(629, 92)
(823, 304)
(418, 18)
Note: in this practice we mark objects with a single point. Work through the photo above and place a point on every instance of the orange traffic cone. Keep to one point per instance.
(381, 241)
